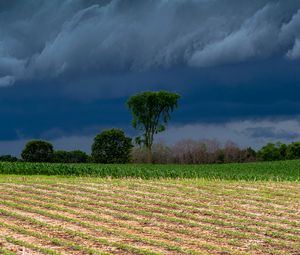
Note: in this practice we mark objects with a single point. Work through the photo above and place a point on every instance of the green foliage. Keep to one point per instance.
(282, 150)
(8, 158)
(276, 170)
(37, 151)
(60, 156)
(293, 151)
(220, 156)
(271, 152)
(76, 156)
(151, 112)
(111, 146)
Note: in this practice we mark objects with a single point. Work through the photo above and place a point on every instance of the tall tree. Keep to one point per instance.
(151, 112)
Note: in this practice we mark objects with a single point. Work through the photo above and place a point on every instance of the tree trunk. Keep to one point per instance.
(149, 155)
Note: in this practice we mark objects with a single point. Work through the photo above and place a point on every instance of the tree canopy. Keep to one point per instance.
(151, 112)
(111, 146)
(37, 151)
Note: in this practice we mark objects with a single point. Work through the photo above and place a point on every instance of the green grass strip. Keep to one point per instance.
(223, 231)
(5, 251)
(213, 221)
(170, 197)
(119, 245)
(121, 215)
(161, 201)
(143, 212)
(105, 229)
(56, 241)
(32, 246)
(140, 202)
(77, 233)
(190, 219)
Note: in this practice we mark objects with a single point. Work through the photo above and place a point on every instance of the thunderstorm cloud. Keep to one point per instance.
(68, 67)
(49, 39)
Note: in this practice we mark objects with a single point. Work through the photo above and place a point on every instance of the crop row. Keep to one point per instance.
(275, 171)
(97, 216)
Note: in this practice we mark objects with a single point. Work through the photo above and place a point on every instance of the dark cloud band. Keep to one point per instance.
(49, 39)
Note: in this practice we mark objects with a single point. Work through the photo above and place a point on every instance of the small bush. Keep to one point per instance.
(38, 151)
(248, 155)
(60, 156)
(161, 154)
(76, 156)
(8, 158)
(270, 152)
(293, 151)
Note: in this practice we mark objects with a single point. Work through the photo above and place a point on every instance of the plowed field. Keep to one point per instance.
(51, 215)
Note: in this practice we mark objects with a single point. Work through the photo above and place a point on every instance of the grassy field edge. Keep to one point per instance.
(275, 171)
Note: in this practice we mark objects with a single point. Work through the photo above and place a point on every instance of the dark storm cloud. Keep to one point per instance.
(30, 111)
(44, 111)
(68, 67)
(42, 39)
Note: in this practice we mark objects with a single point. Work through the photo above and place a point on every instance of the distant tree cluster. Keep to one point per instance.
(76, 156)
(8, 158)
(110, 146)
(42, 151)
(113, 146)
(151, 112)
(211, 151)
(279, 151)
(195, 152)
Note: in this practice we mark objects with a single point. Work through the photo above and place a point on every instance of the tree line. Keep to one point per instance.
(151, 112)
(113, 146)
(211, 151)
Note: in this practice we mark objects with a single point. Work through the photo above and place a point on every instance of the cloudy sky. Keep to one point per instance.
(68, 67)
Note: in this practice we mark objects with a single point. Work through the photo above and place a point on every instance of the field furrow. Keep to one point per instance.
(194, 214)
(209, 220)
(96, 223)
(127, 216)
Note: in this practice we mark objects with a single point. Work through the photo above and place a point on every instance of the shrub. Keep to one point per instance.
(8, 158)
(37, 151)
(196, 152)
(232, 153)
(271, 152)
(189, 152)
(283, 151)
(111, 146)
(161, 154)
(248, 155)
(60, 156)
(220, 157)
(76, 156)
(293, 151)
